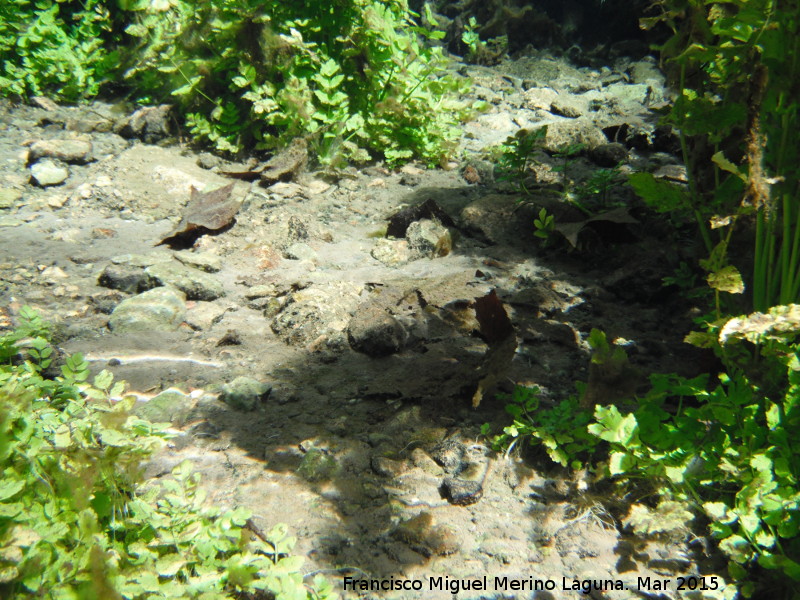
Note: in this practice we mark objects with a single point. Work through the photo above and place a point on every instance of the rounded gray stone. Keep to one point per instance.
(244, 393)
(49, 172)
(375, 332)
(161, 309)
(196, 284)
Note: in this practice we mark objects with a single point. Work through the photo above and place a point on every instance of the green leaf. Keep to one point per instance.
(112, 437)
(719, 511)
(675, 474)
(621, 462)
(726, 165)
(613, 427)
(737, 548)
(63, 437)
(169, 565)
(660, 195)
(103, 380)
(727, 279)
(9, 489)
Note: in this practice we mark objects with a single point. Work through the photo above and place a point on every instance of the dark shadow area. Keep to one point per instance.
(354, 430)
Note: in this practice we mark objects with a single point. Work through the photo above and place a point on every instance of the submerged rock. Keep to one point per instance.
(244, 393)
(49, 172)
(427, 238)
(375, 332)
(197, 285)
(160, 309)
(69, 151)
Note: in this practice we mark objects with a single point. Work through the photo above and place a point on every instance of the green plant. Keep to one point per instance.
(517, 155)
(471, 38)
(597, 187)
(545, 225)
(561, 430)
(355, 76)
(684, 278)
(567, 155)
(727, 449)
(736, 68)
(76, 519)
(55, 48)
(728, 454)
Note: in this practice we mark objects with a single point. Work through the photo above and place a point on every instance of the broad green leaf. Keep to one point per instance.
(169, 564)
(660, 195)
(9, 488)
(620, 462)
(750, 523)
(728, 279)
(726, 165)
(675, 474)
(765, 539)
(63, 437)
(112, 437)
(761, 462)
(719, 511)
(737, 548)
(104, 379)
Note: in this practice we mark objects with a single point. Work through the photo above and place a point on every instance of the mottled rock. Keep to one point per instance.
(429, 239)
(49, 172)
(645, 71)
(609, 155)
(286, 164)
(9, 197)
(68, 151)
(568, 106)
(149, 123)
(245, 393)
(478, 171)
(161, 309)
(637, 94)
(106, 301)
(123, 277)
(197, 285)
(317, 465)
(564, 133)
(497, 218)
(172, 406)
(391, 252)
(450, 455)
(423, 535)
(316, 314)
(142, 260)
(205, 261)
(375, 332)
(460, 491)
(208, 161)
(300, 251)
(297, 229)
(423, 461)
(202, 315)
(386, 467)
(539, 98)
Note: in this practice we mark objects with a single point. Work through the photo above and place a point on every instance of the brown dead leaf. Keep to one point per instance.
(571, 231)
(493, 318)
(207, 212)
(497, 330)
(286, 165)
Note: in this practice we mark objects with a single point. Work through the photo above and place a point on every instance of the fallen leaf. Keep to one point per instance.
(206, 212)
(571, 231)
(497, 330)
